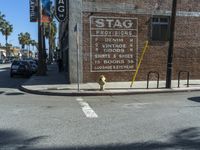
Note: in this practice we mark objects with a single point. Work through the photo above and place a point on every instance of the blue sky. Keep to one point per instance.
(17, 13)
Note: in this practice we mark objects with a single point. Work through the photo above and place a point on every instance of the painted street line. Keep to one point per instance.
(136, 105)
(1, 70)
(88, 111)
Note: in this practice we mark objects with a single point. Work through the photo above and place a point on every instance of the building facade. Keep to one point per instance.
(113, 33)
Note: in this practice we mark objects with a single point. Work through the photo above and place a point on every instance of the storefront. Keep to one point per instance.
(2, 55)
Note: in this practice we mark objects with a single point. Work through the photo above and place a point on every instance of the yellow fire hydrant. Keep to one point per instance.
(102, 82)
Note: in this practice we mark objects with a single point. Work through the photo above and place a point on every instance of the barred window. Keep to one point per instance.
(160, 28)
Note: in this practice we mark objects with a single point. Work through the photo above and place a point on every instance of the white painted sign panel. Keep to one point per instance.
(113, 44)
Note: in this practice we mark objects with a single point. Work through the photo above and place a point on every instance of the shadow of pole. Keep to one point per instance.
(194, 99)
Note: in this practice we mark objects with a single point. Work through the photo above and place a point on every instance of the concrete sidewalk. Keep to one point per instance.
(56, 84)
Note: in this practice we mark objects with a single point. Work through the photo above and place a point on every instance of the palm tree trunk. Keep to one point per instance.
(50, 46)
(6, 37)
(44, 50)
(41, 62)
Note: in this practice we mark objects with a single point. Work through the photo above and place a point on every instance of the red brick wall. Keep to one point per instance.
(186, 46)
(182, 5)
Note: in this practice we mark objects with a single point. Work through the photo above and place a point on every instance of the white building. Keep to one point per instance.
(2, 54)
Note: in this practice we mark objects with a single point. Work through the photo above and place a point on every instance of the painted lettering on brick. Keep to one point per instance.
(113, 44)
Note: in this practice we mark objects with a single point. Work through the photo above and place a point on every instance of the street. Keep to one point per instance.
(149, 122)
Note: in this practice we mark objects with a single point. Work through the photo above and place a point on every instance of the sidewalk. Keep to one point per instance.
(55, 84)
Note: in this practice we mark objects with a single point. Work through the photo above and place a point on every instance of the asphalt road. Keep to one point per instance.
(9, 83)
(137, 122)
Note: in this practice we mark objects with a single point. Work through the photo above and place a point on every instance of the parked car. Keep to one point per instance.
(34, 66)
(19, 67)
(2, 61)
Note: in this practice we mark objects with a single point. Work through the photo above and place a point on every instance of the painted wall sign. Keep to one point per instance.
(61, 10)
(113, 44)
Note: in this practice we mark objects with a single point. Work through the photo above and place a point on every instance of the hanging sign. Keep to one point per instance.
(33, 10)
(60, 10)
(46, 11)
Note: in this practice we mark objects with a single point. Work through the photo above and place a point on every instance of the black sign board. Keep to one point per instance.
(33, 10)
(61, 9)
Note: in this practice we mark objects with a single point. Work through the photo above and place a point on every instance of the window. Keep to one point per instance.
(160, 28)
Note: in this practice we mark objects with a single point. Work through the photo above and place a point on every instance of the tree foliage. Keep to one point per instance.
(24, 39)
(5, 27)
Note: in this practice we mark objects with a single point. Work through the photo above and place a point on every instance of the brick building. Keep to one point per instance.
(113, 33)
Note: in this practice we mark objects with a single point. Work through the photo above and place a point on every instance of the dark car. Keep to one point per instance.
(34, 66)
(19, 67)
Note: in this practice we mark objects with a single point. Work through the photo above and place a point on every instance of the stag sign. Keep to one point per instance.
(60, 10)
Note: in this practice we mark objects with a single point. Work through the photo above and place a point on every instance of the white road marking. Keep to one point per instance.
(136, 105)
(1, 70)
(88, 111)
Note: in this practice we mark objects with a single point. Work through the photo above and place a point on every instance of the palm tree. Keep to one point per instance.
(22, 39)
(6, 30)
(50, 34)
(1, 16)
(2, 20)
(28, 42)
(33, 43)
(25, 39)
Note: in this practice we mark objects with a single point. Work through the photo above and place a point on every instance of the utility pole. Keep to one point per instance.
(41, 61)
(171, 46)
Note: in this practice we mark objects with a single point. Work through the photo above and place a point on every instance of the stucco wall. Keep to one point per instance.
(75, 17)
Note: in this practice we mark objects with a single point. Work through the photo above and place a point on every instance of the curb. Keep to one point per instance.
(104, 93)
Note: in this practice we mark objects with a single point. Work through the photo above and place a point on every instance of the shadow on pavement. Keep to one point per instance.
(187, 139)
(1, 92)
(10, 139)
(7, 82)
(14, 94)
(195, 99)
(53, 77)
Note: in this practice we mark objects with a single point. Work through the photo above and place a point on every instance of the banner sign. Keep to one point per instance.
(46, 11)
(60, 9)
(33, 10)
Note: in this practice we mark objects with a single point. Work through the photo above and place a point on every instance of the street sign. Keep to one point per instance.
(61, 10)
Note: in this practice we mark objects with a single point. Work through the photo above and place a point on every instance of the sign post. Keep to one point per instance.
(60, 10)
(76, 30)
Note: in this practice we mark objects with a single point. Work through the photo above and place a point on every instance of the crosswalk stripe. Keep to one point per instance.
(88, 111)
